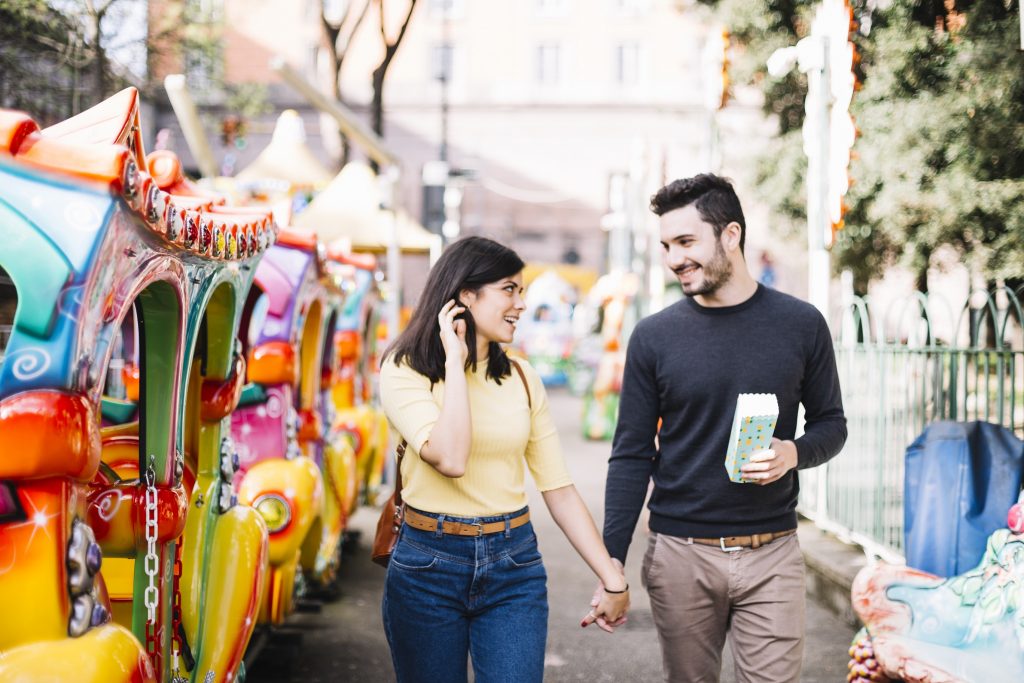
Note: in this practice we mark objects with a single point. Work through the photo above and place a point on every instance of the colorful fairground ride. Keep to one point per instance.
(123, 553)
(295, 469)
(922, 628)
(600, 355)
(347, 215)
(353, 396)
(545, 334)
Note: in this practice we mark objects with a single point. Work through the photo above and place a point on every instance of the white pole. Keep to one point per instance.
(188, 118)
(819, 267)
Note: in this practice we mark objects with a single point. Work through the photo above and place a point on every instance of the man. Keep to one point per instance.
(722, 556)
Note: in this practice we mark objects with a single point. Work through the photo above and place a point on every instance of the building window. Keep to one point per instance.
(313, 67)
(551, 8)
(627, 63)
(447, 9)
(205, 11)
(549, 63)
(442, 61)
(200, 71)
(629, 8)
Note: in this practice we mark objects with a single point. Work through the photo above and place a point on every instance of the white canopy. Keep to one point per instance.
(287, 158)
(349, 209)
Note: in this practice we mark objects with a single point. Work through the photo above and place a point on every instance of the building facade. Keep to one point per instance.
(556, 119)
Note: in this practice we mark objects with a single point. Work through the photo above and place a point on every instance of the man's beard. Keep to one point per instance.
(714, 274)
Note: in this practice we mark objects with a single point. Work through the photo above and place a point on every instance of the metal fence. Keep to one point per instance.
(918, 362)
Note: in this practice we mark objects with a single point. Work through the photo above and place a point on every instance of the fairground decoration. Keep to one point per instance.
(612, 293)
(920, 628)
(356, 416)
(123, 556)
(293, 469)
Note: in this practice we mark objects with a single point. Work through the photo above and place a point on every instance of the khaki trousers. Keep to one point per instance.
(698, 593)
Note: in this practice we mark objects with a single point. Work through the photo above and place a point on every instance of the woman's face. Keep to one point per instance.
(496, 309)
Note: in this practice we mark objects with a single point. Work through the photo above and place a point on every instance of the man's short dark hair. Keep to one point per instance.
(714, 197)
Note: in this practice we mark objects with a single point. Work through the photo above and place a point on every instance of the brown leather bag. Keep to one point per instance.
(390, 521)
(391, 515)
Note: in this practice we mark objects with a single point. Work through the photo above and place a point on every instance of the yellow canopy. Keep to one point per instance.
(578, 276)
(349, 209)
(287, 158)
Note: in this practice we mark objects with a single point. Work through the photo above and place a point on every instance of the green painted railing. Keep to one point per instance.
(900, 372)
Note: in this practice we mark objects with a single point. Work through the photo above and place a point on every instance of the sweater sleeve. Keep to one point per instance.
(408, 403)
(825, 422)
(633, 449)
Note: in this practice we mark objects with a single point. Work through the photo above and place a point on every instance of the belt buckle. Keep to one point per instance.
(479, 528)
(733, 549)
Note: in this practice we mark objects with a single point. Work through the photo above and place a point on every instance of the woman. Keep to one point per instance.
(466, 576)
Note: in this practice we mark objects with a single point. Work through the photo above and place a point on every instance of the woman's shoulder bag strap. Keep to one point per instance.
(522, 376)
(400, 451)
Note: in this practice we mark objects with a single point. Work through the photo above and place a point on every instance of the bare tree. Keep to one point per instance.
(95, 13)
(42, 56)
(390, 48)
(337, 36)
(117, 42)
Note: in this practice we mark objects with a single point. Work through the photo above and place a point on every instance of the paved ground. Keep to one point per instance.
(345, 641)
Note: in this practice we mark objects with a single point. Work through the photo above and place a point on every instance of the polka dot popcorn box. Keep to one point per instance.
(752, 429)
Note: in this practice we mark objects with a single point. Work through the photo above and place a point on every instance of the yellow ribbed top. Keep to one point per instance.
(506, 435)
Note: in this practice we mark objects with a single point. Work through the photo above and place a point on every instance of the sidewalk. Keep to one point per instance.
(345, 641)
(633, 653)
(831, 568)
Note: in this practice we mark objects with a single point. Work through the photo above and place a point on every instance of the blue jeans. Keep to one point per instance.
(447, 597)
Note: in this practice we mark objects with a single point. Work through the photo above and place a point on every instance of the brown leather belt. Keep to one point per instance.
(427, 523)
(730, 543)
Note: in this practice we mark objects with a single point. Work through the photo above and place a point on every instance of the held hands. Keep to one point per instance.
(453, 333)
(768, 466)
(608, 609)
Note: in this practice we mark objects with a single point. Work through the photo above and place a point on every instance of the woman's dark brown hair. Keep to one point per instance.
(469, 263)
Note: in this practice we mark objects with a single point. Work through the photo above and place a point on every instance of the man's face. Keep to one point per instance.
(693, 252)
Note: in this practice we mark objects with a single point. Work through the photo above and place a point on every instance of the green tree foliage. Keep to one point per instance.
(941, 120)
(940, 161)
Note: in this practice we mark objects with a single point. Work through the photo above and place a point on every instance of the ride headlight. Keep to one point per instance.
(275, 511)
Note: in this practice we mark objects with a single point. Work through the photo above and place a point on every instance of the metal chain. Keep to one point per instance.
(176, 614)
(151, 597)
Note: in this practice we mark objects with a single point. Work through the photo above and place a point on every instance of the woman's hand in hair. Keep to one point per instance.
(453, 334)
(447, 447)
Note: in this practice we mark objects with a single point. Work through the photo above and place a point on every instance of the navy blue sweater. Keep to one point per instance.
(686, 365)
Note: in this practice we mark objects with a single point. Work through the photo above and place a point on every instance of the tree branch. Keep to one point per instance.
(391, 47)
(355, 27)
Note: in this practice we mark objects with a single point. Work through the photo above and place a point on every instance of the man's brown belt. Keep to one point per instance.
(737, 542)
(427, 523)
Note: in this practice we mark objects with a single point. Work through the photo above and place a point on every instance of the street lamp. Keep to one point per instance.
(826, 56)
(715, 72)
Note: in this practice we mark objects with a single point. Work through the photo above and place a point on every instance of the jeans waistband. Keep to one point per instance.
(457, 528)
(473, 548)
(472, 520)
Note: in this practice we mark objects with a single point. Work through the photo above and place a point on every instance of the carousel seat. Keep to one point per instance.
(969, 628)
